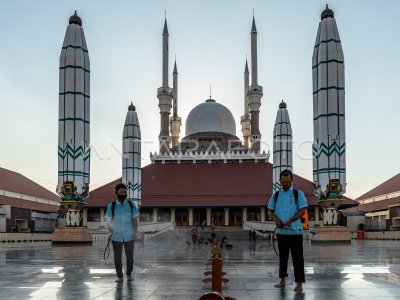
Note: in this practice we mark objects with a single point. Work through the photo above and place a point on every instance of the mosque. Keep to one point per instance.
(210, 174)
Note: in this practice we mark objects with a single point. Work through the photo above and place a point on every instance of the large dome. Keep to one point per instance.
(210, 116)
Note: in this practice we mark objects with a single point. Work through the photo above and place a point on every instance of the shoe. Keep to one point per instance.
(119, 280)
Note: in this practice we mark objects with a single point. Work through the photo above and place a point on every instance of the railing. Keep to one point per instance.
(164, 90)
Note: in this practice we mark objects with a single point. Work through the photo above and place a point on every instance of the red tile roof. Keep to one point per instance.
(200, 185)
(389, 186)
(16, 183)
(21, 203)
(375, 206)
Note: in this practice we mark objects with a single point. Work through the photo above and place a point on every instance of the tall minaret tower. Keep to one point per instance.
(165, 95)
(329, 147)
(245, 119)
(175, 121)
(283, 155)
(255, 93)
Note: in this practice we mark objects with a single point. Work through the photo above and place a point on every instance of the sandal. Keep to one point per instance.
(280, 285)
(119, 280)
(298, 289)
(130, 278)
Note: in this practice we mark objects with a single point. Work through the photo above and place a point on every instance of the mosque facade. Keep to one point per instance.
(210, 174)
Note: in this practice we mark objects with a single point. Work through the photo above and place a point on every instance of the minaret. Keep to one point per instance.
(255, 93)
(131, 158)
(329, 159)
(74, 121)
(175, 121)
(283, 155)
(245, 119)
(165, 95)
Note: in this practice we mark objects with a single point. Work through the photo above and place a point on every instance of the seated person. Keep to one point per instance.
(212, 238)
(224, 242)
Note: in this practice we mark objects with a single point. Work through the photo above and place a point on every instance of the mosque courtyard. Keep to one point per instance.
(167, 268)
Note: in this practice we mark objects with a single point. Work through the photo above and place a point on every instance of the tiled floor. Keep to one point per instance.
(167, 268)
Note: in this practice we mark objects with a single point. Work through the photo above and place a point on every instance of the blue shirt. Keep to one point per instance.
(286, 208)
(122, 225)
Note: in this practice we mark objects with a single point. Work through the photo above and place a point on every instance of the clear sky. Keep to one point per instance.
(210, 39)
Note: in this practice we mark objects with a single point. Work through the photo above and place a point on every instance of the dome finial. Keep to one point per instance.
(210, 90)
(132, 107)
(75, 19)
(327, 13)
(282, 104)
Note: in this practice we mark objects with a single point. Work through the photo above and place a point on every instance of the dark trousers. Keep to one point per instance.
(294, 244)
(117, 248)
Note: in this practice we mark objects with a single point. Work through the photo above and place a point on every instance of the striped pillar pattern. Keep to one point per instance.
(282, 147)
(131, 158)
(329, 159)
(74, 111)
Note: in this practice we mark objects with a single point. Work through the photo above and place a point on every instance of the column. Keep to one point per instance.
(226, 216)
(173, 210)
(244, 212)
(155, 209)
(84, 217)
(190, 216)
(316, 214)
(208, 216)
(263, 214)
(102, 222)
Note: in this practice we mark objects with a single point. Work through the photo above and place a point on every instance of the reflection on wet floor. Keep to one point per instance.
(167, 268)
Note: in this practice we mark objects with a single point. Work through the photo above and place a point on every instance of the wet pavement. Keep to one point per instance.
(167, 268)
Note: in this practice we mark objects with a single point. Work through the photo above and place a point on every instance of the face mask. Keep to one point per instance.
(121, 197)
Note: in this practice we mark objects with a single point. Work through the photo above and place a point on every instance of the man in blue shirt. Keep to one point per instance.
(122, 223)
(286, 214)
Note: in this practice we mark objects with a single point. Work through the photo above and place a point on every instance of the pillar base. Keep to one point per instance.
(331, 234)
(72, 235)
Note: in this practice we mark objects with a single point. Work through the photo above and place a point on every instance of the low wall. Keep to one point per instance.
(379, 235)
(25, 237)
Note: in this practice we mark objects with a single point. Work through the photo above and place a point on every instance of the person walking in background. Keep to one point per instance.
(194, 232)
(121, 218)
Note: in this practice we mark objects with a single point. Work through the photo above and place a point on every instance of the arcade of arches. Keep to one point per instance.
(215, 216)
